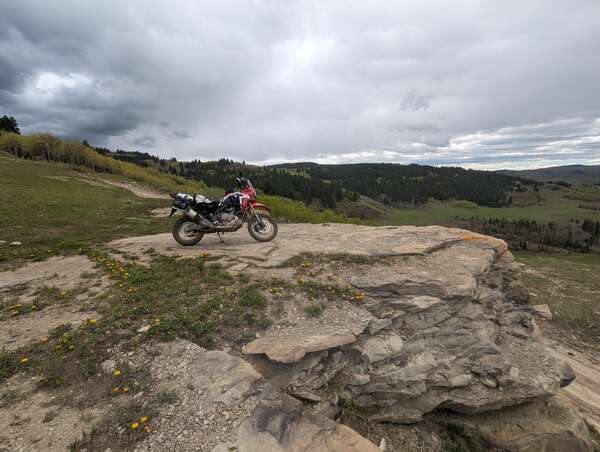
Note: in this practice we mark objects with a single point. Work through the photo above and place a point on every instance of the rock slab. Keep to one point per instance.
(450, 328)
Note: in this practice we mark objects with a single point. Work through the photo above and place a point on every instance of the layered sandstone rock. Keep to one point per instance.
(450, 328)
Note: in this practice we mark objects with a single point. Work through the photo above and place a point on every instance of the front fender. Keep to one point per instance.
(259, 206)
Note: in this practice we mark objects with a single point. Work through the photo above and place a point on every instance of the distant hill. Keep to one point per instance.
(362, 190)
(413, 184)
(336, 186)
(573, 174)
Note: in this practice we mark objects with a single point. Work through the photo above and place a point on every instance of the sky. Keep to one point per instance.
(480, 84)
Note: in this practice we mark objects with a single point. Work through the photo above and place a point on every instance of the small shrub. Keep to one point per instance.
(8, 365)
(166, 397)
(314, 310)
(8, 397)
(456, 439)
(251, 297)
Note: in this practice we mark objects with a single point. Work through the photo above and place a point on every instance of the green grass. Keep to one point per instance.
(569, 284)
(583, 193)
(309, 259)
(553, 207)
(187, 298)
(51, 211)
(296, 212)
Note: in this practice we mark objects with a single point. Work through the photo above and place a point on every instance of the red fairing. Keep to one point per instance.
(249, 190)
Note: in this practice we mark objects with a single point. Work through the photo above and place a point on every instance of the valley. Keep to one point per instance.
(104, 319)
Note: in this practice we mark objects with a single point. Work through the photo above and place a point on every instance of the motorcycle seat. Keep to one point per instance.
(199, 199)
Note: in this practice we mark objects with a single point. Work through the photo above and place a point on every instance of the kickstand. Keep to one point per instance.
(220, 238)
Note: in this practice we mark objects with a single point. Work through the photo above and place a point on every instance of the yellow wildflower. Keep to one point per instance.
(144, 419)
(117, 372)
(134, 426)
(24, 360)
(92, 321)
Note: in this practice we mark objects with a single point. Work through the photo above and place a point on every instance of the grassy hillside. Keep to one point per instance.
(570, 286)
(558, 206)
(573, 174)
(55, 208)
(47, 147)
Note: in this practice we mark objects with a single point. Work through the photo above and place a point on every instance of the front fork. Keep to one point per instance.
(258, 219)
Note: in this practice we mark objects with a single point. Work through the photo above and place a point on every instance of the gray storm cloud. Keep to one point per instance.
(479, 84)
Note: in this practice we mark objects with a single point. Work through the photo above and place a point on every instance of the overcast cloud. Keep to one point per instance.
(482, 84)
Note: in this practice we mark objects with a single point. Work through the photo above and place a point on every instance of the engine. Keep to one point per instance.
(226, 217)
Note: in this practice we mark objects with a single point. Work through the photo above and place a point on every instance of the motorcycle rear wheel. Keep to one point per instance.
(264, 233)
(183, 235)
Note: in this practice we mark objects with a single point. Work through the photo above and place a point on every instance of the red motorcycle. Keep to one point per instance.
(202, 215)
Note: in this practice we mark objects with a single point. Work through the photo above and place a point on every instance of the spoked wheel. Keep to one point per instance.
(263, 230)
(185, 232)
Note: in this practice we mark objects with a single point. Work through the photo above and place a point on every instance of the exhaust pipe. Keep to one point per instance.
(197, 218)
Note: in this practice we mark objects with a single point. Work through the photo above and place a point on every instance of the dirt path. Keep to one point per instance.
(138, 190)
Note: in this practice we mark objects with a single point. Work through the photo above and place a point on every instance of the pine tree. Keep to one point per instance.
(9, 124)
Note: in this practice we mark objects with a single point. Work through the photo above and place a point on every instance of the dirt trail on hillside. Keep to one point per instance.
(138, 190)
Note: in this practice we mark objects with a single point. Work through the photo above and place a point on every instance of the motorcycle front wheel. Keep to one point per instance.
(263, 230)
(184, 234)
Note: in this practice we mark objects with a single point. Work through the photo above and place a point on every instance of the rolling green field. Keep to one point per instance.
(553, 207)
(54, 209)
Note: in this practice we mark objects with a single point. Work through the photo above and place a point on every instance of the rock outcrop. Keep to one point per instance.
(440, 321)
(450, 328)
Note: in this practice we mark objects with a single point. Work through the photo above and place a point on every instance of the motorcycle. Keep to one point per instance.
(202, 215)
